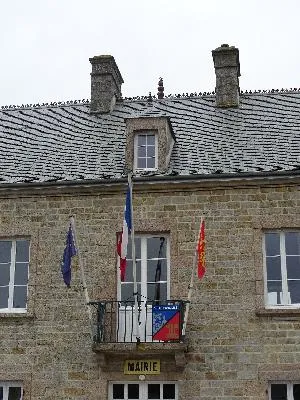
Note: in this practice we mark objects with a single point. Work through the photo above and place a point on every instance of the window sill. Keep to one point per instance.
(16, 315)
(278, 312)
(144, 170)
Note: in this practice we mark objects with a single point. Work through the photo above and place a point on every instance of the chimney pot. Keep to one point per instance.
(106, 81)
(227, 70)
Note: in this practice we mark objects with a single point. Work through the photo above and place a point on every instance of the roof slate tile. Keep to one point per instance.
(66, 142)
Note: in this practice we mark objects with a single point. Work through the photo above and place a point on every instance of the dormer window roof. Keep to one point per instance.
(149, 143)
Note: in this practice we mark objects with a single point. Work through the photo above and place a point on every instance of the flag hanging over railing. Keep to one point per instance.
(201, 251)
(123, 237)
(69, 252)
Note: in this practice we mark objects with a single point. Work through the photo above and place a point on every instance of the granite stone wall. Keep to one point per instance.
(235, 347)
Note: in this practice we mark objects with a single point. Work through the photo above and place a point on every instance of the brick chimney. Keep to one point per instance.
(106, 82)
(227, 69)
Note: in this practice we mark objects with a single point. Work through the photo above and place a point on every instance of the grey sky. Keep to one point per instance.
(46, 45)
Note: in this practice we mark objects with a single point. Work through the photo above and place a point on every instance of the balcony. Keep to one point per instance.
(149, 330)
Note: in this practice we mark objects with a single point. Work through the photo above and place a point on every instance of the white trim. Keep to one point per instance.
(285, 295)
(145, 318)
(11, 285)
(135, 152)
(143, 282)
(12, 274)
(290, 395)
(143, 386)
(5, 385)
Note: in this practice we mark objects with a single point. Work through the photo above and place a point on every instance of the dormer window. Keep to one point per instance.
(145, 146)
(149, 144)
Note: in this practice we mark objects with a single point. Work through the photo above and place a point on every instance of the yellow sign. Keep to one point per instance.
(145, 367)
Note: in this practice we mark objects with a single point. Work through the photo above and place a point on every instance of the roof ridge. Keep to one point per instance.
(46, 105)
(145, 98)
(270, 91)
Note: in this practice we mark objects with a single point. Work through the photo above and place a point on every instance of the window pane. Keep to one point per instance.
(153, 247)
(1, 393)
(22, 251)
(151, 151)
(137, 242)
(153, 391)
(169, 391)
(4, 274)
(141, 151)
(14, 393)
(293, 267)
(150, 162)
(4, 297)
(20, 296)
(274, 290)
(157, 291)
(127, 292)
(278, 392)
(292, 243)
(158, 269)
(21, 274)
(118, 391)
(129, 271)
(141, 163)
(294, 291)
(296, 392)
(142, 140)
(273, 268)
(150, 140)
(272, 244)
(5, 251)
(133, 391)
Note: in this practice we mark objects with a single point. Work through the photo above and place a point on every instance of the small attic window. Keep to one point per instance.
(145, 150)
(149, 144)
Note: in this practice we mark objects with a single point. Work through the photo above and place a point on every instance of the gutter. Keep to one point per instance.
(265, 177)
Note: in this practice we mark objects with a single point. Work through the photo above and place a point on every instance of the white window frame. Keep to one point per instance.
(143, 388)
(144, 281)
(289, 385)
(6, 385)
(145, 314)
(11, 286)
(285, 295)
(136, 158)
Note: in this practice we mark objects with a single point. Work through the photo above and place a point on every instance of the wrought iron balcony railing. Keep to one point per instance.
(115, 321)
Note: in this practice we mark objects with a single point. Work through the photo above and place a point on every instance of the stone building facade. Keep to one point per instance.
(230, 158)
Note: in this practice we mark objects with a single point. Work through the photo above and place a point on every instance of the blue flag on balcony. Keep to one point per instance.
(69, 252)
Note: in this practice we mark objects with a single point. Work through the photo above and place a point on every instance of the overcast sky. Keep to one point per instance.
(46, 45)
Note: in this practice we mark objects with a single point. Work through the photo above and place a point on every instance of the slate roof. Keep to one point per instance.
(65, 142)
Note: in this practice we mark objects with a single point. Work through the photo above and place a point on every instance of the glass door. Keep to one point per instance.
(153, 283)
(143, 391)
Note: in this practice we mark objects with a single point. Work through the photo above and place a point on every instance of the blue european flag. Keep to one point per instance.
(69, 252)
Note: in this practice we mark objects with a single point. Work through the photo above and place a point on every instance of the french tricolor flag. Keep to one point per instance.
(123, 238)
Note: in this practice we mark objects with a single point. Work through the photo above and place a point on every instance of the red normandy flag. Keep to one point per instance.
(201, 251)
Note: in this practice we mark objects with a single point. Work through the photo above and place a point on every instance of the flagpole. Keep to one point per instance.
(135, 289)
(191, 285)
(83, 281)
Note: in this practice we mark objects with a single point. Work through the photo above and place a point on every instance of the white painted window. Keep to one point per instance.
(284, 391)
(152, 267)
(153, 284)
(14, 262)
(11, 391)
(282, 268)
(145, 150)
(143, 390)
